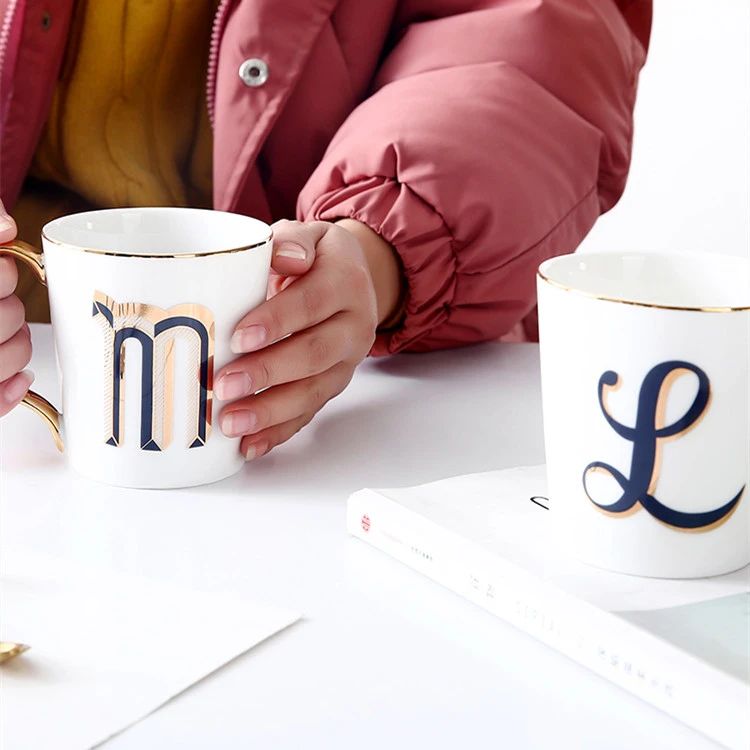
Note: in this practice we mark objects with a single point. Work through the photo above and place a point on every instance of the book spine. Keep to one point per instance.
(670, 679)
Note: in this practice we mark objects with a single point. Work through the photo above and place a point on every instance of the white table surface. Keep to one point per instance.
(383, 658)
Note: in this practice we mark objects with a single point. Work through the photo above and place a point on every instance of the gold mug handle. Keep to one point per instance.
(34, 259)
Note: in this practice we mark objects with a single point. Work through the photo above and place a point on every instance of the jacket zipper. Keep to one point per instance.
(220, 20)
(5, 31)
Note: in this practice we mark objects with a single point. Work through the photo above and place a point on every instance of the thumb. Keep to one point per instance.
(294, 246)
(7, 226)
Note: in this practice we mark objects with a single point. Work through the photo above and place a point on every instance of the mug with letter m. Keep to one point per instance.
(143, 303)
(645, 397)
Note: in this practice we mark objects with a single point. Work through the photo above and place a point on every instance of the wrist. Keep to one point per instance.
(385, 269)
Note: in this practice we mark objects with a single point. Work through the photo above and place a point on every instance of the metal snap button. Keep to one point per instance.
(254, 72)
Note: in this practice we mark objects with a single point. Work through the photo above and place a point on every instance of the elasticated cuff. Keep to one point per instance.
(422, 240)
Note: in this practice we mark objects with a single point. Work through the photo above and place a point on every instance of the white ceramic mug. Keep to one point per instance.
(143, 303)
(645, 401)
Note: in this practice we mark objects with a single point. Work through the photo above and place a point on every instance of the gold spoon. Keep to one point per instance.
(9, 651)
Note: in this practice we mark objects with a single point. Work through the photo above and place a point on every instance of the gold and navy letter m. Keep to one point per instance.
(157, 331)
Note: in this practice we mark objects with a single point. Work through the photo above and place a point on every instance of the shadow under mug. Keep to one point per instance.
(143, 304)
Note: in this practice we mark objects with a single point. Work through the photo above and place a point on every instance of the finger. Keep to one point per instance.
(296, 357)
(294, 246)
(12, 317)
(258, 445)
(333, 285)
(8, 276)
(277, 283)
(310, 301)
(13, 390)
(284, 402)
(15, 354)
(7, 226)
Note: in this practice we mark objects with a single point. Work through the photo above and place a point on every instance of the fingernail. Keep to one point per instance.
(255, 450)
(238, 423)
(16, 387)
(232, 385)
(5, 223)
(248, 339)
(292, 250)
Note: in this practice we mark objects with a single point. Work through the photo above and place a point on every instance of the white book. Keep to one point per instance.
(681, 645)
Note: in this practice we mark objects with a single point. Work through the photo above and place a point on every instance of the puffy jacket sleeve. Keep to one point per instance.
(492, 140)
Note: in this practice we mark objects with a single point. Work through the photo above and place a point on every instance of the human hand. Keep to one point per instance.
(15, 338)
(328, 290)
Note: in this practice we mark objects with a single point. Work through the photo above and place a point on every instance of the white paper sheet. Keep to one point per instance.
(106, 649)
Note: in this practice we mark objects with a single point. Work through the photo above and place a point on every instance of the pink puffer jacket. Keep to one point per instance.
(479, 137)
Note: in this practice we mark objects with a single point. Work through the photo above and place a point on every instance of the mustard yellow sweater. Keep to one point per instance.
(128, 124)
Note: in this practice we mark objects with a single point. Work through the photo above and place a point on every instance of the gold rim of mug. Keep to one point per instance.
(113, 254)
(605, 298)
